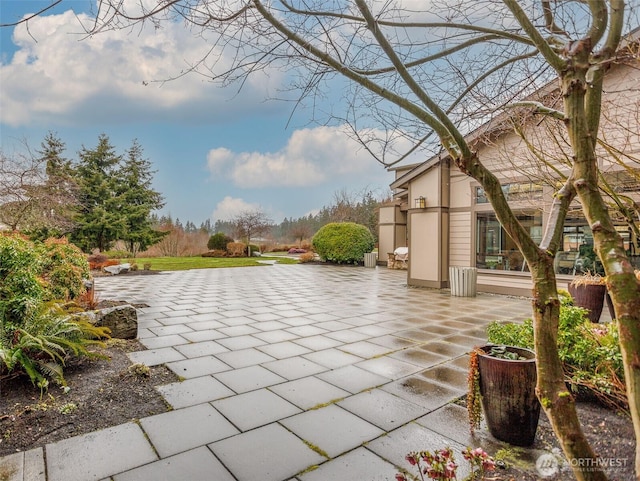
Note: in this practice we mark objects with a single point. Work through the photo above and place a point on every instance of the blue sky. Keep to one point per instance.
(216, 151)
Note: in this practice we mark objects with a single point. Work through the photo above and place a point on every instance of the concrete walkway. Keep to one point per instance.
(291, 372)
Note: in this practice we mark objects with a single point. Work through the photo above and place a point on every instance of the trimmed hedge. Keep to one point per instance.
(343, 242)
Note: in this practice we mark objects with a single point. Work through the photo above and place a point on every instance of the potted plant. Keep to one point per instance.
(502, 381)
(588, 291)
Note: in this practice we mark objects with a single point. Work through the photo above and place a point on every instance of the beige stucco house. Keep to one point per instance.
(442, 216)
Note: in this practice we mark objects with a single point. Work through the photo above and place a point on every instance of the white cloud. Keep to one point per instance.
(311, 157)
(59, 73)
(229, 207)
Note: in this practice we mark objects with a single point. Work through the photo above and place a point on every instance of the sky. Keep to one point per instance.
(216, 151)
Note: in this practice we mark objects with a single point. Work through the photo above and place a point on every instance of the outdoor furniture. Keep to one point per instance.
(399, 258)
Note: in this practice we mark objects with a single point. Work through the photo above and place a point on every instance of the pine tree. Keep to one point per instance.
(59, 194)
(137, 200)
(100, 221)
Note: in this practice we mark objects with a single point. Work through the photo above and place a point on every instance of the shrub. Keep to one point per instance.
(236, 249)
(296, 250)
(21, 290)
(589, 352)
(219, 241)
(36, 334)
(344, 242)
(254, 248)
(307, 257)
(65, 267)
(96, 261)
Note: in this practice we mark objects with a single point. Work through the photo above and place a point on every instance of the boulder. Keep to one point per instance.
(117, 269)
(122, 320)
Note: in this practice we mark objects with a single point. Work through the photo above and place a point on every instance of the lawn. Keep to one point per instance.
(185, 263)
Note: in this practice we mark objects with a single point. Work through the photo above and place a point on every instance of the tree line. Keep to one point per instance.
(360, 207)
(103, 197)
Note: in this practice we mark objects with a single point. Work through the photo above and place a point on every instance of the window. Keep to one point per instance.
(577, 255)
(495, 249)
(514, 192)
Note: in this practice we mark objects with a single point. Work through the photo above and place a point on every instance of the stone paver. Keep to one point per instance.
(285, 369)
(269, 453)
(196, 465)
(194, 391)
(254, 409)
(359, 464)
(319, 427)
(184, 429)
(120, 448)
(309, 392)
(382, 408)
(353, 379)
(249, 378)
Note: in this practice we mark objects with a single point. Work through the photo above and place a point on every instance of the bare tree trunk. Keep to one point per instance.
(582, 101)
(556, 400)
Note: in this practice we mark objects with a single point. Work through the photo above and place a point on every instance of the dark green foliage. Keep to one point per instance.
(116, 199)
(343, 242)
(39, 347)
(219, 241)
(99, 222)
(138, 200)
(21, 291)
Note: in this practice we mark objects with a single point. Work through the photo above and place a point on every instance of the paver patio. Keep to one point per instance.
(292, 373)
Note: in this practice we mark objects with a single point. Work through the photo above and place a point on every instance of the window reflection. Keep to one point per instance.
(494, 248)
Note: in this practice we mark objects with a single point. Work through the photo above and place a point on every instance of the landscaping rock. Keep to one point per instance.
(117, 269)
(122, 320)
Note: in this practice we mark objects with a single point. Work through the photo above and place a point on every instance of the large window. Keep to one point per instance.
(495, 249)
(576, 254)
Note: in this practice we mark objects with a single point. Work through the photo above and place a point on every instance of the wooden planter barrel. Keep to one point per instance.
(589, 296)
(509, 401)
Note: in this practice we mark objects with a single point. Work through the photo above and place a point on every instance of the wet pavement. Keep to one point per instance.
(289, 373)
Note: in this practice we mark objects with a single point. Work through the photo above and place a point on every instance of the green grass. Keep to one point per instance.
(185, 263)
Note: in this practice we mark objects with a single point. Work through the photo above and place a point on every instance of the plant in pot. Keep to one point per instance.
(502, 382)
(588, 291)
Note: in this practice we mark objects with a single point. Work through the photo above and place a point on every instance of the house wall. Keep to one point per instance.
(392, 231)
(445, 232)
(429, 229)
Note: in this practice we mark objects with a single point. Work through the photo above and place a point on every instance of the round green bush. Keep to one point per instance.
(343, 242)
(219, 241)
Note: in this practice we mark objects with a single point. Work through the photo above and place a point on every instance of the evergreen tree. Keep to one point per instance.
(58, 194)
(100, 221)
(137, 200)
